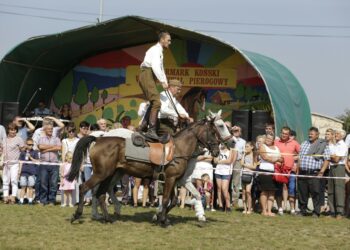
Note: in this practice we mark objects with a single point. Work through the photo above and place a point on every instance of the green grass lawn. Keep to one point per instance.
(36, 227)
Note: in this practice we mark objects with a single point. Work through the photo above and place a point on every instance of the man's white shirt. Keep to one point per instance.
(347, 140)
(339, 149)
(240, 147)
(167, 110)
(154, 59)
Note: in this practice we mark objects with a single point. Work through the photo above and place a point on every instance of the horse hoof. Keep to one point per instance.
(108, 220)
(155, 218)
(97, 217)
(166, 224)
(202, 218)
(74, 217)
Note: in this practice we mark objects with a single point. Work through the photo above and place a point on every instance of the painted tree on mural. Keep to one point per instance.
(104, 95)
(94, 96)
(249, 93)
(82, 95)
(63, 93)
(108, 113)
(239, 91)
(91, 119)
(132, 113)
(133, 103)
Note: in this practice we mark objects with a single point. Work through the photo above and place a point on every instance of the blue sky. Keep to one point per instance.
(321, 64)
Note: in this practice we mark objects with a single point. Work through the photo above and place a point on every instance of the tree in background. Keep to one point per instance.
(346, 119)
(64, 92)
(82, 95)
(94, 96)
(104, 95)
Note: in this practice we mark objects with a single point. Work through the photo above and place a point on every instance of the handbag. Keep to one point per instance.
(246, 178)
(279, 169)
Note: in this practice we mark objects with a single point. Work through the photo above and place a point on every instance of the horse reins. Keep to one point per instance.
(172, 102)
(209, 143)
(174, 106)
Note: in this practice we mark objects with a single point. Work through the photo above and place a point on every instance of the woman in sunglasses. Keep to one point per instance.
(69, 143)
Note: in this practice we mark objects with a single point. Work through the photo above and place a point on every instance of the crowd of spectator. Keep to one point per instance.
(277, 174)
(243, 177)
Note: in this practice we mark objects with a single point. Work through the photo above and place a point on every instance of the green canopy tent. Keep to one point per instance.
(41, 62)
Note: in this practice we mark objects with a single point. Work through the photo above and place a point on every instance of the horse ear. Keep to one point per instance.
(210, 113)
(219, 113)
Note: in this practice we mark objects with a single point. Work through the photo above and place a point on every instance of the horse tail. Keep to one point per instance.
(79, 154)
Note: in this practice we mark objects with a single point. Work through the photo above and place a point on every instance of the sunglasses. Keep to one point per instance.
(30, 144)
(72, 131)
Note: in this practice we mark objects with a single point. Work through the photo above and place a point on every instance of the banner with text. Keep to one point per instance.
(192, 77)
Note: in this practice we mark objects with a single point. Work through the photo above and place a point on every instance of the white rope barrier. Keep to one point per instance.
(237, 170)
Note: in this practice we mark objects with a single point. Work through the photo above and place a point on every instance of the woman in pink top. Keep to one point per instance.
(13, 145)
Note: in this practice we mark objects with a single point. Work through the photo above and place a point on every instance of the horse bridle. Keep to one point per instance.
(208, 143)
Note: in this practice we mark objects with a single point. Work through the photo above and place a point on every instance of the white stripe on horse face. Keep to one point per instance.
(222, 129)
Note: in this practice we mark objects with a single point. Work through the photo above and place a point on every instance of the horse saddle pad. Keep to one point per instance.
(136, 148)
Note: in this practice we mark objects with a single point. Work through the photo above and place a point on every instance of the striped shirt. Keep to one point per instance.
(311, 162)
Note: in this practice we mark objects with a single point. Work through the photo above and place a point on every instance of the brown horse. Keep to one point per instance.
(194, 101)
(108, 161)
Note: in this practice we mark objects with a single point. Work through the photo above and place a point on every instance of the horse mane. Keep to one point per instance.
(190, 127)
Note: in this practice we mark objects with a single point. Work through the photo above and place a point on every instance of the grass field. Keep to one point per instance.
(36, 227)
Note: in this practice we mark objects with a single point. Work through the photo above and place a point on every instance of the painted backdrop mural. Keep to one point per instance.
(214, 78)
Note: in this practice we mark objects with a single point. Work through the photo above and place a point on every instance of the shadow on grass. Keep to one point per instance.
(142, 217)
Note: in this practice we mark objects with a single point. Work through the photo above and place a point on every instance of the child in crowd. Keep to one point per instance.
(27, 172)
(206, 190)
(66, 186)
(248, 163)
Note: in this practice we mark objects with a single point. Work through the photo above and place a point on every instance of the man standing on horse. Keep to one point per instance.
(171, 111)
(152, 71)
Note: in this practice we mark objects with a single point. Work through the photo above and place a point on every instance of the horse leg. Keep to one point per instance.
(173, 201)
(94, 213)
(83, 188)
(186, 181)
(117, 205)
(168, 190)
(197, 201)
(101, 196)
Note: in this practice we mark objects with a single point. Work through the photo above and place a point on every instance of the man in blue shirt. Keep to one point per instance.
(314, 155)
